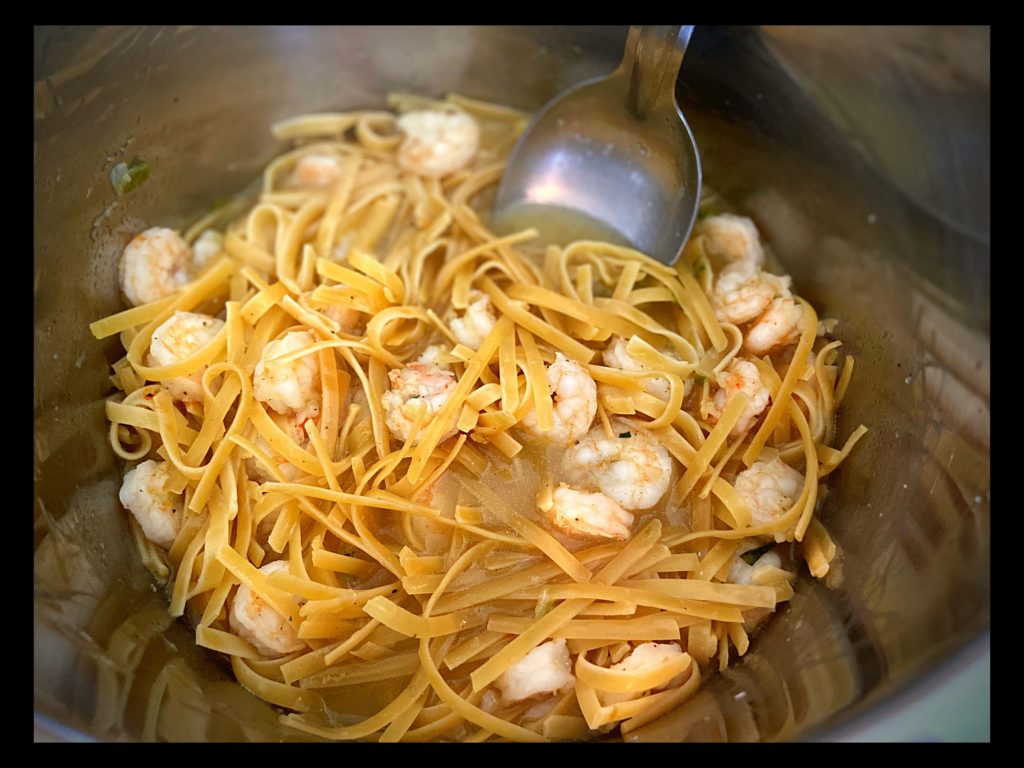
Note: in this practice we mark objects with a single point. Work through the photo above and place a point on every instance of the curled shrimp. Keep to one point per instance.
(178, 337)
(258, 472)
(644, 657)
(434, 535)
(630, 467)
(291, 386)
(777, 327)
(292, 426)
(206, 247)
(476, 323)
(256, 622)
(769, 488)
(144, 493)
(739, 376)
(437, 142)
(616, 355)
(418, 387)
(316, 171)
(742, 291)
(544, 671)
(648, 655)
(588, 514)
(432, 356)
(731, 238)
(347, 317)
(575, 400)
(156, 263)
(754, 573)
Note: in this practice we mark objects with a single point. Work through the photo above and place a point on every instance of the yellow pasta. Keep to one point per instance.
(388, 462)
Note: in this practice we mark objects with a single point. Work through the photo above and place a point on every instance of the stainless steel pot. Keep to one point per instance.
(863, 154)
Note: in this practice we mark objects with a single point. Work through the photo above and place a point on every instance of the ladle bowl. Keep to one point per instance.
(611, 158)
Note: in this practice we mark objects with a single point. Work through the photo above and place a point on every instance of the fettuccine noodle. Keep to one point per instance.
(421, 481)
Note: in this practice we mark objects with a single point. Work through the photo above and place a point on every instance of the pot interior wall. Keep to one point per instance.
(909, 509)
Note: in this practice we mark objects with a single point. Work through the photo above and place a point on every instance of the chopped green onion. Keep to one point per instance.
(625, 434)
(752, 556)
(700, 380)
(127, 176)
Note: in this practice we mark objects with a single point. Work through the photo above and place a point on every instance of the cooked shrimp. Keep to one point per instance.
(346, 317)
(292, 386)
(590, 514)
(257, 471)
(544, 671)
(415, 388)
(648, 655)
(158, 511)
(575, 400)
(769, 489)
(207, 246)
(155, 264)
(316, 171)
(437, 142)
(475, 325)
(731, 238)
(256, 622)
(644, 657)
(616, 355)
(630, 467)
(295, 429)
(742, 291)
(432, 355)
(742, 573)
(739, 376)
(777, 327)
(440, 495)
(178, 337)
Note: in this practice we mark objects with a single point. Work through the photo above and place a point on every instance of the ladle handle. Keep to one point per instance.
(651, 65)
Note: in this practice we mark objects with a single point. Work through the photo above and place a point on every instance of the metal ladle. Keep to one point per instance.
(611, 158)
